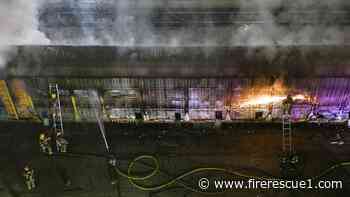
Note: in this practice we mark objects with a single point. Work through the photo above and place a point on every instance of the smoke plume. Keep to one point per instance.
(274, 23)
(288, 23)
(19, 26)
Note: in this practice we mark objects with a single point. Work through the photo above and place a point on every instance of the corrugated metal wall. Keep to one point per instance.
(161, 97)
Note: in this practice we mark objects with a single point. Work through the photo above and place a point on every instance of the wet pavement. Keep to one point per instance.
(248, 149)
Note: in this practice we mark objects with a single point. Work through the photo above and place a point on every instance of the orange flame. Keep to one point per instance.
(266, 99)
(268, 94)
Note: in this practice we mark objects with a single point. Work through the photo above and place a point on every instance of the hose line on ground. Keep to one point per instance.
(177, 180)
(133, 178)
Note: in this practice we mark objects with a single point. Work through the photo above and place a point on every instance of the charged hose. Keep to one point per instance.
(177, 180)
(133, 178)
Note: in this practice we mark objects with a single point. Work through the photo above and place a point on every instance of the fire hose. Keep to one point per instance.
(133, 178)
(178, 179)
(95, 102)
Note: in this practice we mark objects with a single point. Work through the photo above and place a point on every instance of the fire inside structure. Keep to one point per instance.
(151, 98)
(143, 80)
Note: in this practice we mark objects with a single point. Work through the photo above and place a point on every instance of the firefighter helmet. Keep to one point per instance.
(26, 168)
(53, 96)
(42, 136)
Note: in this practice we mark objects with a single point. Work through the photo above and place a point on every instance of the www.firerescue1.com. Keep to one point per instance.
(205, 184)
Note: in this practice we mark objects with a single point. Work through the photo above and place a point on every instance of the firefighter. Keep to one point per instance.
(52, 99)
(61, 143)
(269, 112)
(29, 178)
(287, 105)
(45, 144)
(112, 164)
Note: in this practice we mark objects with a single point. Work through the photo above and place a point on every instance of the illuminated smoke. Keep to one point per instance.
(19, 26)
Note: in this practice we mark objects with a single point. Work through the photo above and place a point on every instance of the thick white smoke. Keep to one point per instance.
(297, 13)
(133, 24)
(18, 26)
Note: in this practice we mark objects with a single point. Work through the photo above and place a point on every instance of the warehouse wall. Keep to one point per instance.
(201, 97)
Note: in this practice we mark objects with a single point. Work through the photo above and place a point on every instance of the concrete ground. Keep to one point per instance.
(252, 149)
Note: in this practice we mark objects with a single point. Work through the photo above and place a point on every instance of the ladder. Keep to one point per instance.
(7, 101)
(286, 133)
(55, 110)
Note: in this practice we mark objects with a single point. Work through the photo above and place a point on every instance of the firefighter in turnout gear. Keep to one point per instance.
(269, 112)
(53, 97)
(45, 144)
(29, 179)
(61, 143)
(287, 105)
(112, 164)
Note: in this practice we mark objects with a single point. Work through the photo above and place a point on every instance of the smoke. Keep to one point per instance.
(19, 26)
(138, 23)
(286, 23)
(274, 23)
(131, 26)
